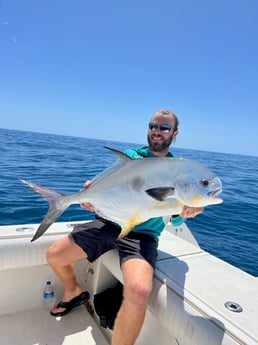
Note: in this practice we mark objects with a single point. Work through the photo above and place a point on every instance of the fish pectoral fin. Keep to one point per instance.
(161, 193)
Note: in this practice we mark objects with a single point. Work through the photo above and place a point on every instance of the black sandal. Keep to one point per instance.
(75, 302)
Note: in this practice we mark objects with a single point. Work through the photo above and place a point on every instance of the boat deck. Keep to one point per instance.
(191, 289)
(78, 327)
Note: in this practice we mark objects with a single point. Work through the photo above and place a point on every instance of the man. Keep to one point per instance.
(137, 250)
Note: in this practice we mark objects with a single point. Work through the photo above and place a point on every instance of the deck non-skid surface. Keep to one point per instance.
(37, 327)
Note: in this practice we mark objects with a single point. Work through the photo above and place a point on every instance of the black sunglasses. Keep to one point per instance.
(163, 128)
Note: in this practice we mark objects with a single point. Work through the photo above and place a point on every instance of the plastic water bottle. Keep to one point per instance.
(48, 296)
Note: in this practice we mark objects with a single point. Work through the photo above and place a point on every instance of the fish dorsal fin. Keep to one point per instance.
(161, 193)
(122, 158)
(121, 155)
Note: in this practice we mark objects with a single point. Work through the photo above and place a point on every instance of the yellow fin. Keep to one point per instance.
(125, 230)
(131, 224)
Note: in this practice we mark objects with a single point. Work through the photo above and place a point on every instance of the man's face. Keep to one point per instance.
(161, 132)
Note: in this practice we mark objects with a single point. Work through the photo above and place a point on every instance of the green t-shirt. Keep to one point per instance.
(153, 226)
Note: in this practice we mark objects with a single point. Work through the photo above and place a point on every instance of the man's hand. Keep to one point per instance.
(189, 212)
(88, 206)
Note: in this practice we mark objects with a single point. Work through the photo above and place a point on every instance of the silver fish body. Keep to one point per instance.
(135, 190)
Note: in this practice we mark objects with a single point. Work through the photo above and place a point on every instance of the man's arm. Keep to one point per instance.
(87, 205)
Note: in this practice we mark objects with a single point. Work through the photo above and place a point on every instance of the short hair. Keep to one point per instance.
(168, 112)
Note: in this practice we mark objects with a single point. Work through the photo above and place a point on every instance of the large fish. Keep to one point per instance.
(134, 190)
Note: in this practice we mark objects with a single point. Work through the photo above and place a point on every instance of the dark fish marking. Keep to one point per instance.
(160, 193)
(137, 183)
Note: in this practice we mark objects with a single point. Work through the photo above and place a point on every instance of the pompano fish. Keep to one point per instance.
(133, 190)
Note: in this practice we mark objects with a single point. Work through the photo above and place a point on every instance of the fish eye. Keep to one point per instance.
(204, 182)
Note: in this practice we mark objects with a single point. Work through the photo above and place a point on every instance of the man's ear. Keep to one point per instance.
(175, 134)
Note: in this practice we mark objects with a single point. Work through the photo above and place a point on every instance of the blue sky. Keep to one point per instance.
(100, 69)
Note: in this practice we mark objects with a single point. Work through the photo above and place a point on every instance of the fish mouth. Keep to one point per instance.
(214, 195)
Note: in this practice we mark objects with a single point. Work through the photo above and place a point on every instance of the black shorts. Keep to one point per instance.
(99, 236)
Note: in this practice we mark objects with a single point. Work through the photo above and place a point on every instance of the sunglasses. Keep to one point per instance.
(163, 128)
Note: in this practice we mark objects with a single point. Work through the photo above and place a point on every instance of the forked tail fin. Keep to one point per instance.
(57, 205)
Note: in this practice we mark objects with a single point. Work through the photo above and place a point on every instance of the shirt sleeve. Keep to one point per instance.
(132, 153)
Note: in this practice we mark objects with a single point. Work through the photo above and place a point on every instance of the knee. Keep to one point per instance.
(53, 253)
(137, 294)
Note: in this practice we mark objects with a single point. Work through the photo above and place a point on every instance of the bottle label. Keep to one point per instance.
(48, 294)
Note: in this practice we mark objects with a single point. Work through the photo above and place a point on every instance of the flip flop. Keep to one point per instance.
(68, 306)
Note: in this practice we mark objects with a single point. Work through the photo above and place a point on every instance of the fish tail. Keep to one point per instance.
(57, 205)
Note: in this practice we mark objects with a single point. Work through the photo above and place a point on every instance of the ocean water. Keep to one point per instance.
(64, 163)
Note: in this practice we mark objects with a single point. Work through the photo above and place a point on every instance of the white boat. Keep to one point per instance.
(197, 299)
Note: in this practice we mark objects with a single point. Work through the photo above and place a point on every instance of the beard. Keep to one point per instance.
(159, 146)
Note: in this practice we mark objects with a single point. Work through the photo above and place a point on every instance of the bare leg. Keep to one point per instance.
(61, 256)
(137, 275)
